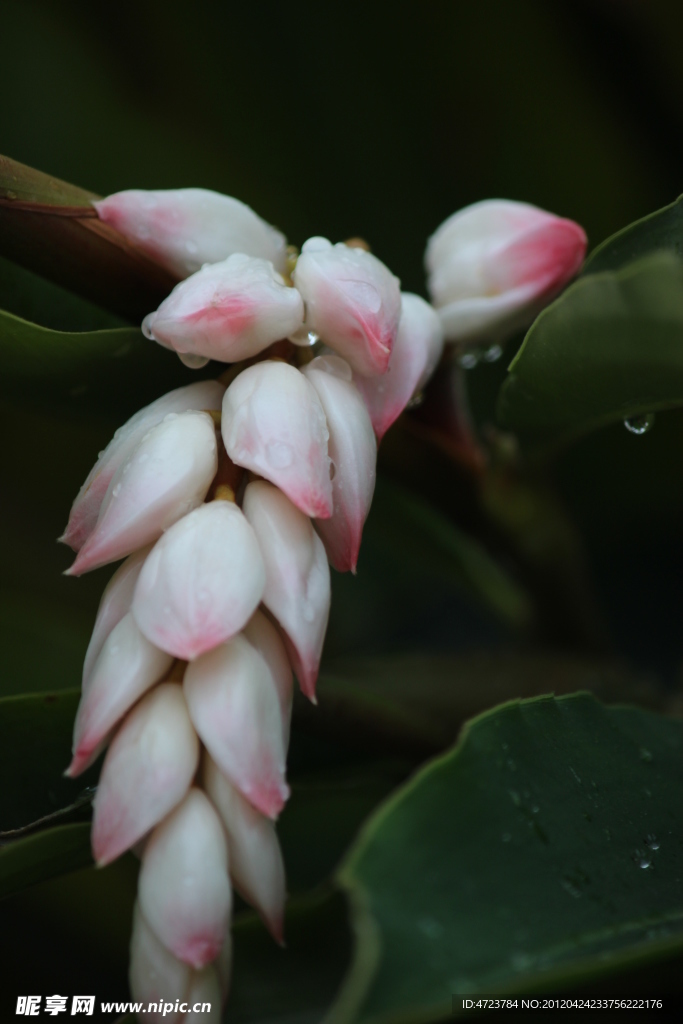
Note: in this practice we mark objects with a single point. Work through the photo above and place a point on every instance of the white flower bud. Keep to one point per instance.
(227, 311)
(273, 423)
(353, 302)
(147, 771)
(165, 477)
(127, 666)
(156, 976)
(353, 450)
(254, 855)
(85, 510)
(236, 709)
(201, 582)
(184, 890)
(297, 589)
(186, 227)
(418, 348)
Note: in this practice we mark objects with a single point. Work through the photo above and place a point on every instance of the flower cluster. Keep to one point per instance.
(227, 499)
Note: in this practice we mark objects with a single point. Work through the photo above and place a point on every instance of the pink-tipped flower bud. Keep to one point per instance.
(184, 889)
(156, 976)
(353, 450)
(185, 228)
(201, 582)
(127, 666)
(297, 589)
(165, 477)
(114, 604)
(86, 508)
(227, 311)
(494, 265)
(254, 855)
(418, 348)
(273, 423)
(236, 709)
(353, 302)
(147, 771)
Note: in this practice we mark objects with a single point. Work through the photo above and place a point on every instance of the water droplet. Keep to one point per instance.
(279, 455)
(652, 841)
(645, 755)
(416, 401)
(639, 424)
(642, 859)
(117, 490)
(493, 354)
(192, 248)
(468, 360)
(192, 360)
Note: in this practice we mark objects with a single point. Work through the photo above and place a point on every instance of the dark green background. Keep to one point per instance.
(372, 119)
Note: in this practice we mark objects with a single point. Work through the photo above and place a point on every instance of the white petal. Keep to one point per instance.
(266, 641)
(184, 890)
(187, 227)
(297, 588)
(147, 771)
(273, 423)
(166, 476)
(202, 581)
(156, 976)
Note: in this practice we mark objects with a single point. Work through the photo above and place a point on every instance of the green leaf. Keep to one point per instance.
(47, 854)
(543, 850)
(35, 749)
(609, 349)
(51, 227)
(113, 371)
(662, 229)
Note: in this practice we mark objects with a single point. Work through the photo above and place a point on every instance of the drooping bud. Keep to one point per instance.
(254, 854)
(186, 227)
(114, 604)
(353, 450)
(85, 510)
(297, 589)
(236, 709)
(184, 889)
(201, 582)
(127, 666)
(147, 771)
(165, 477)
(156, 976)
(227, 311)
(418, 348)
(494, 265)
(273, 423)
(353, 302)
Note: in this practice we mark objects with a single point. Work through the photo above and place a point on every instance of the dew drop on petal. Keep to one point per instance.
(192, 361)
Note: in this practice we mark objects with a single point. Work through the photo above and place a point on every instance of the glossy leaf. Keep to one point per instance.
(609, 349)
(50, 227)
(543, 850)
(662, 229)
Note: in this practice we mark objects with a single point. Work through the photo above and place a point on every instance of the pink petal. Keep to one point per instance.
(273, 423)
(184, 889)
(353, 451)
(297, 588)
(202, 581)
(352, 302)
(148, 769)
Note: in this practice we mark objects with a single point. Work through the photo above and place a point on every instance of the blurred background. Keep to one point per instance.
(343, 120)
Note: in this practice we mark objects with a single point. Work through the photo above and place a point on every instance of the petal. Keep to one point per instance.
(417, 351)
(254, 855)
(127, 666)
(352, 301)
(166, 476)
(236, 710)
(353, 450)
(206, 394)
(186, 227)
(297, 588)
(114, 604)
(273, 423)
(147, 772)
(228, 311)
(202, 581)
(184, 889)
(266, 640)
(156, 976)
